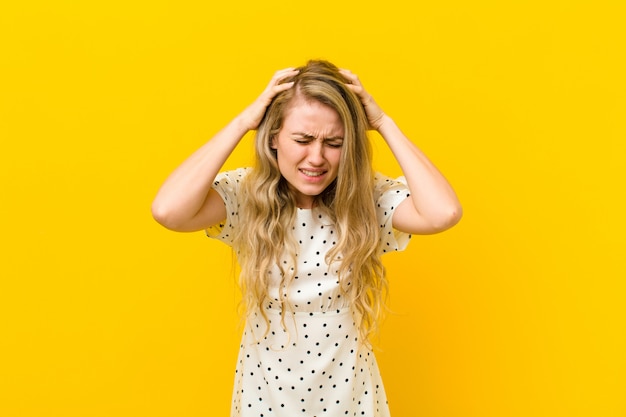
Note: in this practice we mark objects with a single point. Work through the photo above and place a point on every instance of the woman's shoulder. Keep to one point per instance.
(228, 183)
(383, 184)
(234, 175)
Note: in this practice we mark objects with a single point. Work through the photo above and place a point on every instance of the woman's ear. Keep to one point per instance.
(273, 142)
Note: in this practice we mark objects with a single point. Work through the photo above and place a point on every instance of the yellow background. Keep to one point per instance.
(518, 311)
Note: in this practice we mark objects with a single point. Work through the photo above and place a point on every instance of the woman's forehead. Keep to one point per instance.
(313, 117)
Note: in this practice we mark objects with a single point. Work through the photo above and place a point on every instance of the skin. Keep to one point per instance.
(308, 149)
(186, 202)
(433, 206)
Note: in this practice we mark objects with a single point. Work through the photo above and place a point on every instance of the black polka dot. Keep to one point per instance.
(325, 346)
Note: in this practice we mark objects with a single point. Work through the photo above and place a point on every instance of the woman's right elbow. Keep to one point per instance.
(163, 215)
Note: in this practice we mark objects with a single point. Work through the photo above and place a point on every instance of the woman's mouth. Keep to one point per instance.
(312, 173)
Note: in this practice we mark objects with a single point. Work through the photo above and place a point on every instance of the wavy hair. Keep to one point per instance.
(265, 239)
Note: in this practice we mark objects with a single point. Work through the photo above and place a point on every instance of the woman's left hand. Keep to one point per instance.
(375, 114)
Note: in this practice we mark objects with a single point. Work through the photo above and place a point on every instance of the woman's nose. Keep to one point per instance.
(316, 152)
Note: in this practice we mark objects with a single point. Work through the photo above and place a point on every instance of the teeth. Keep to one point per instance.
(311, 173)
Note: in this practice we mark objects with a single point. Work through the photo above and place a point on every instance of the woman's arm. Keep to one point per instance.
(186, 202)
(433, 206)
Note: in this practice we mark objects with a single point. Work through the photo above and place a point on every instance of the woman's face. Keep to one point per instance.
(308, 148)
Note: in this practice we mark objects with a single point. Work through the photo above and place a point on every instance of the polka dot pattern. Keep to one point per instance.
(314, 367)
(311, 364)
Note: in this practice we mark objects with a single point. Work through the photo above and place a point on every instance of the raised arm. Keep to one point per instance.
(433, 206)
(186, 202)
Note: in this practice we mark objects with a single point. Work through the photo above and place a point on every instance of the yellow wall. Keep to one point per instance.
(518, 311)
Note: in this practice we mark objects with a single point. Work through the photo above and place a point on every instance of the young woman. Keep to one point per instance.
(309, 223)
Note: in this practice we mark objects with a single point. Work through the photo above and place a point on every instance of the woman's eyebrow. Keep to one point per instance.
(303, 135)
(310, 136)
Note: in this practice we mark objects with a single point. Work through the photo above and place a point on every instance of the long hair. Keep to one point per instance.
(265, 239)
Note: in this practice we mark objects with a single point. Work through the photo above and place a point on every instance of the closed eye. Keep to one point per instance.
(303, 138)
(335, 144)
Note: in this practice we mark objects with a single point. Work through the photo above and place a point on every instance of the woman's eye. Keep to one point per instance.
(335, 144)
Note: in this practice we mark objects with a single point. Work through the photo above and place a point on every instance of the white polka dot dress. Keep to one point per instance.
(314, 365)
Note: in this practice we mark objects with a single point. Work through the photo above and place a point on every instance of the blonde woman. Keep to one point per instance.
(309, 223)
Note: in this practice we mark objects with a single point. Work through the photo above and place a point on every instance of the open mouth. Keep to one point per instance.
(312, 173)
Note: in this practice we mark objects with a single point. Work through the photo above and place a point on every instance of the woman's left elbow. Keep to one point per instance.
(451, 217)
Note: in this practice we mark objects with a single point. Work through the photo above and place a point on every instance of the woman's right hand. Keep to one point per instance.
(186, 202)
(253, 114)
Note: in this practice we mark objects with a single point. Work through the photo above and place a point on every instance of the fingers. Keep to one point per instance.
(277, 84)
(281, 75)
(352, 78)
(253, 114)
(374, 113)
(353, 83)
(284, 73)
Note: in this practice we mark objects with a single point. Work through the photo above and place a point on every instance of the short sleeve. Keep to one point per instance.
(228, 185)
(388, 194)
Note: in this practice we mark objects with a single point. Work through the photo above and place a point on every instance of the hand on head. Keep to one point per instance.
(253, 114)
(374, 113)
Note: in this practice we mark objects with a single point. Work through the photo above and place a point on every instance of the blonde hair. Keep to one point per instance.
(265, 238)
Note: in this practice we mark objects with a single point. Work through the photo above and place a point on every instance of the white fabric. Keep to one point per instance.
(316, 366)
